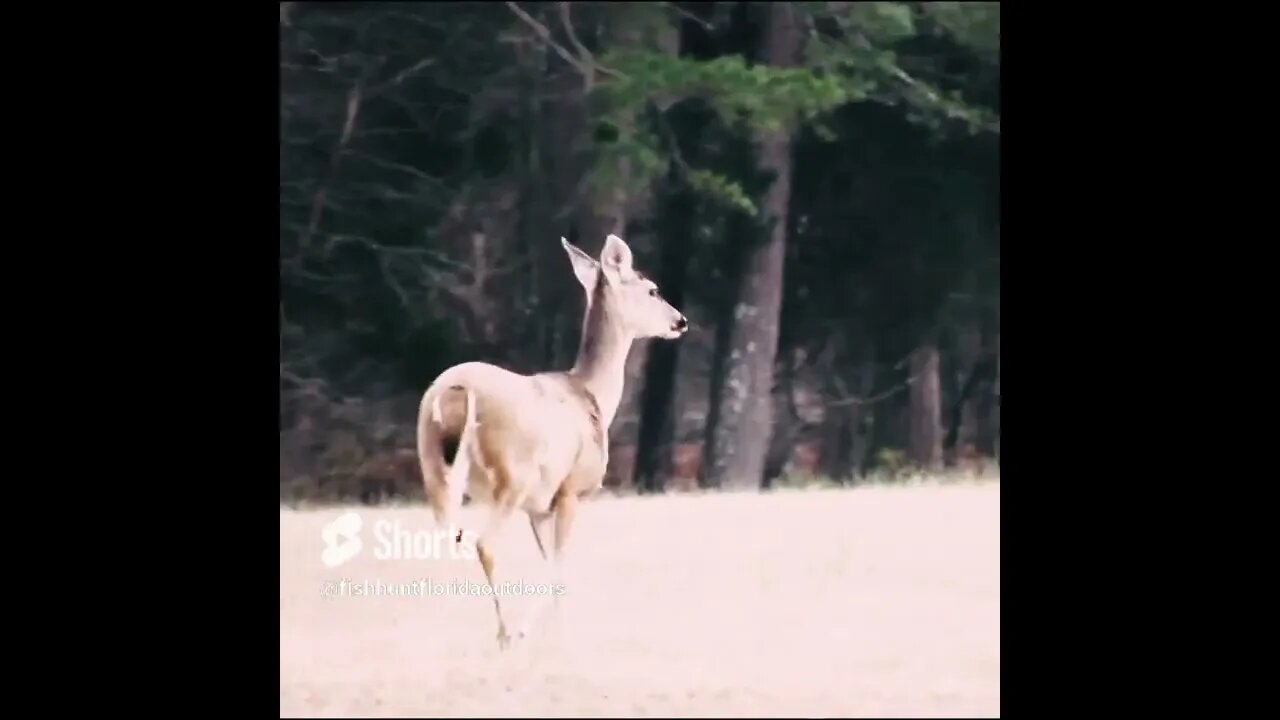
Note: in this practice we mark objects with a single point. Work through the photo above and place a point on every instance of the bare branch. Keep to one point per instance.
(567, 22)
(445, 260)
(384, 264)
(847, 398)
(371, 244)
(353, 109)
(586, 65)
(397, 166)
(318, 202)
(479, 262)
(586, 54)
(573, 37)
(545, 34)
(404, 75)
(694, 18)
(871, 400)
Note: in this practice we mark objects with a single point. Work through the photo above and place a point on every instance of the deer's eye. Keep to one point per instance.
(653, 292)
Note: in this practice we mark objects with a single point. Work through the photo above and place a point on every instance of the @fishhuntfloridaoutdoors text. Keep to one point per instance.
(426, 587)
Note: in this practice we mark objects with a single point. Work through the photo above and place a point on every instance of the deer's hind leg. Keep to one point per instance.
(508, 493)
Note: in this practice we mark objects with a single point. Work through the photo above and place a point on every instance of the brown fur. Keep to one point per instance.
(539, 442)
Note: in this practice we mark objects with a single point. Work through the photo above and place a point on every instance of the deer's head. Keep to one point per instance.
(627, 296)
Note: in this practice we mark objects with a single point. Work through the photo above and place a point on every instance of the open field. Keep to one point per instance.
(877, 601)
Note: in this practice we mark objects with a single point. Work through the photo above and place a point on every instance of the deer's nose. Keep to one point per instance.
(682, 324)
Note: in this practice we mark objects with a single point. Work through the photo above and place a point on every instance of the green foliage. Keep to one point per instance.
(639, 151)
(883, 22)
(862, 56)
(975, 25)
(722, 189)
(892, 461)
(799, 480)
(764, 98)
(880, 44)
(757, 99)
(858, 56)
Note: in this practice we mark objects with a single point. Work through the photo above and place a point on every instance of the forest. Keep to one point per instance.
(815, 185)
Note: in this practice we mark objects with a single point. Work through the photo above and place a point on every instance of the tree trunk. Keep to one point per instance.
(657, 425)
(847, 437)
(970, 357)
(785, 431)
(730, 275)
(963, 415)
(996, 419)
(744, 417)
(864, 420)
(925, 445)
(556, 166)
(837, 436)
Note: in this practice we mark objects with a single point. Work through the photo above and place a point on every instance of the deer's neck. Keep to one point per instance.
(602, 357)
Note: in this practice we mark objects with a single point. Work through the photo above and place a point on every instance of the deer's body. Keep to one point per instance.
(536, 443)
(536, 435)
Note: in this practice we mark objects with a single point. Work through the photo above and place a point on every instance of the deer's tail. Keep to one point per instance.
(461, 468)
(434, 436)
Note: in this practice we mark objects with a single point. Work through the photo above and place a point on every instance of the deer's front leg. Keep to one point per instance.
(563, 512)
(540, 524)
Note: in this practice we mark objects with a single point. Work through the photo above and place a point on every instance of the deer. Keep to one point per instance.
(538, 443)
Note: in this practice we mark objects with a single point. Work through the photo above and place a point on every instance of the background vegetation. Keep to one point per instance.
(815, 184)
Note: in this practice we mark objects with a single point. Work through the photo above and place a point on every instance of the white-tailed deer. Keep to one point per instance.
(537, 443)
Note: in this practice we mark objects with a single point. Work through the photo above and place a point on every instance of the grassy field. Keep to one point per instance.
(872, 601)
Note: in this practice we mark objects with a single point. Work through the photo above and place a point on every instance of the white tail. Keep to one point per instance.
(456, 479)
(539, 442)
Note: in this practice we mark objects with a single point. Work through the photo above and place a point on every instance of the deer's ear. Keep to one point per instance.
(616, 255)
(584, 267)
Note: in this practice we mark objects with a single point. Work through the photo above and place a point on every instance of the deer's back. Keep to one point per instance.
(536, 431)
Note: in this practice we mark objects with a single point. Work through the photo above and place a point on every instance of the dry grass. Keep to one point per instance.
(874, 601)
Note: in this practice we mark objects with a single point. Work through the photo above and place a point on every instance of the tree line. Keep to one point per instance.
(814, 184)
